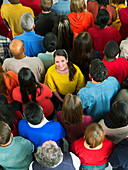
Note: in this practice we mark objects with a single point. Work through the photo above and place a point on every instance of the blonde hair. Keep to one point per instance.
(77, 6)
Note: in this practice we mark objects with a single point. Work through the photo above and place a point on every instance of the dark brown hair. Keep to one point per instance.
(94, 135)
(72, 112)
(72, 69)
(46, 4)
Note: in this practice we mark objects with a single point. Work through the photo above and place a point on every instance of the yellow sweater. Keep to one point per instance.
(61, 83)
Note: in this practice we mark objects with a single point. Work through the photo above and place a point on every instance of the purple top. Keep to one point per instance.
(74, 132)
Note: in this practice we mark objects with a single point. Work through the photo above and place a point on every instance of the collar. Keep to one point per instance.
(39, 125)
(30, 33)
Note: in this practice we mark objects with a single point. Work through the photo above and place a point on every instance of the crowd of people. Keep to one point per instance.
(63, 76)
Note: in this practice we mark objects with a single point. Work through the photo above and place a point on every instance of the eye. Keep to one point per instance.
(56, 61)
(62, 60)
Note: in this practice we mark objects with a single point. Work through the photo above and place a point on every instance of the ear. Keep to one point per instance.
(11, 134)
(90, 77)
(34, 26)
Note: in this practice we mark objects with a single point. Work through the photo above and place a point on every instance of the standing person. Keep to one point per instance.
(93, 149)
(72, 119)
(31, 90)
(95, 5)
(15, 152)
(11, 13)
(33, 43)
(96, 97)
(63, 77)
(83, 53)
(44, 22)
(80, 19)
(102, 33)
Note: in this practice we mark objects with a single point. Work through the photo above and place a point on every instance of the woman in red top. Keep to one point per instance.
(30, 90)
(93, 149)
(80, 19)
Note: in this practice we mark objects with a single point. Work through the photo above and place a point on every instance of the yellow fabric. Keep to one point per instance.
(12, 14)
(60, 83)
(117, 23)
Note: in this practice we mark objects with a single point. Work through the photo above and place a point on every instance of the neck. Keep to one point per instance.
(109, 59)
(46, 12)
(7, 144)
(20, 56)
(14, 2)
(95, 82)
(88, 147)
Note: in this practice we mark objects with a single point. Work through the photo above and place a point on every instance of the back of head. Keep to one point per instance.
(46, 5)
(50, 42)
(77, 6)
(118, 1)
(94, 135)
(5, 133)
(98, 70)
(72, 112)
(103, 2)
(27, 84)
(49, 155)
(119, 114)
(26, 22)
(102, 18)
(33, 113)
(63, 31)
(16, 47)
(111, 49)
(3, 99)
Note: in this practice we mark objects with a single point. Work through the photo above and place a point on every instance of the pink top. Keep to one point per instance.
(117, 68)
(74, 132)
(43, 99)
(92, 157)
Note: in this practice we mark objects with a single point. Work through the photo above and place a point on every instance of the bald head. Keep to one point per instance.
(16, 47)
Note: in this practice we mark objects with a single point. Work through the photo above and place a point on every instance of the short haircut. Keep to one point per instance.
(48, 156)
(102, 18)
(111, 49)
(119, 114)
(5, 133)
(98, 70)
(94, 135)
(46, 5)
(33, 113)
(3, 99)
(50, 42)
(72, 112)
(77, 6)
(26, 22)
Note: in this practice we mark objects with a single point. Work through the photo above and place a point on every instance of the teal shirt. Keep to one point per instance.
(17, 155)
(47, 59)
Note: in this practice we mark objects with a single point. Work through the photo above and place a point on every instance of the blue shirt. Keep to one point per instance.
(33, 43)
(62, 7)
(97, 98)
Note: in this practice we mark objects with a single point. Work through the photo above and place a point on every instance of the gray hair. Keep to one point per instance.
(26, 22)
(48, 156)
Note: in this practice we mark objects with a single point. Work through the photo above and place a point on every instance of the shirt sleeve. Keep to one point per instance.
(76, 161)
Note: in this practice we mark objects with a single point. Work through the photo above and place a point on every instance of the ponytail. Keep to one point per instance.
(72, 70)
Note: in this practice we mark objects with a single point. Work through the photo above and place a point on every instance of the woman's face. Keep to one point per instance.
(61, 63)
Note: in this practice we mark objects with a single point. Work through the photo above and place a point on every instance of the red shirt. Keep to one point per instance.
(43, 99)
(117, 68)
(100, 37)
(81, 22)
(92, 157)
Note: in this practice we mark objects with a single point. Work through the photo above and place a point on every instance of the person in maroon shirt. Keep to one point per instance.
(117, 67)
(102, 34)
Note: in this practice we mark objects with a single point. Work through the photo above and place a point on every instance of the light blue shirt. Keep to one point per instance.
(97, 98)
(33, 43)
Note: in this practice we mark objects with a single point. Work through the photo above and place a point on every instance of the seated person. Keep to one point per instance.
(9, 115)
(102, 33)
(21, 60)
(30, 90)
(63, 77)
(72, 119)
(93, 149)
(115, 125)
(37, 128)
(33, 43)
(96, 97)
(50, 44)
(15, 152)
(117, 67)
(50, 156)
(44, 22)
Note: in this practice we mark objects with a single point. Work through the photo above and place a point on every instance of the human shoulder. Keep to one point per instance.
(52, 69)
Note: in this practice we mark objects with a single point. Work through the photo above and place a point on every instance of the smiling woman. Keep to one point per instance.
(63, 77)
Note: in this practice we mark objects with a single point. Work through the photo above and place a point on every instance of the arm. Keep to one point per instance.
(58, 96)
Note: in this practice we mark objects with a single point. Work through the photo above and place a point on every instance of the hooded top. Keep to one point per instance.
(81, 21)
